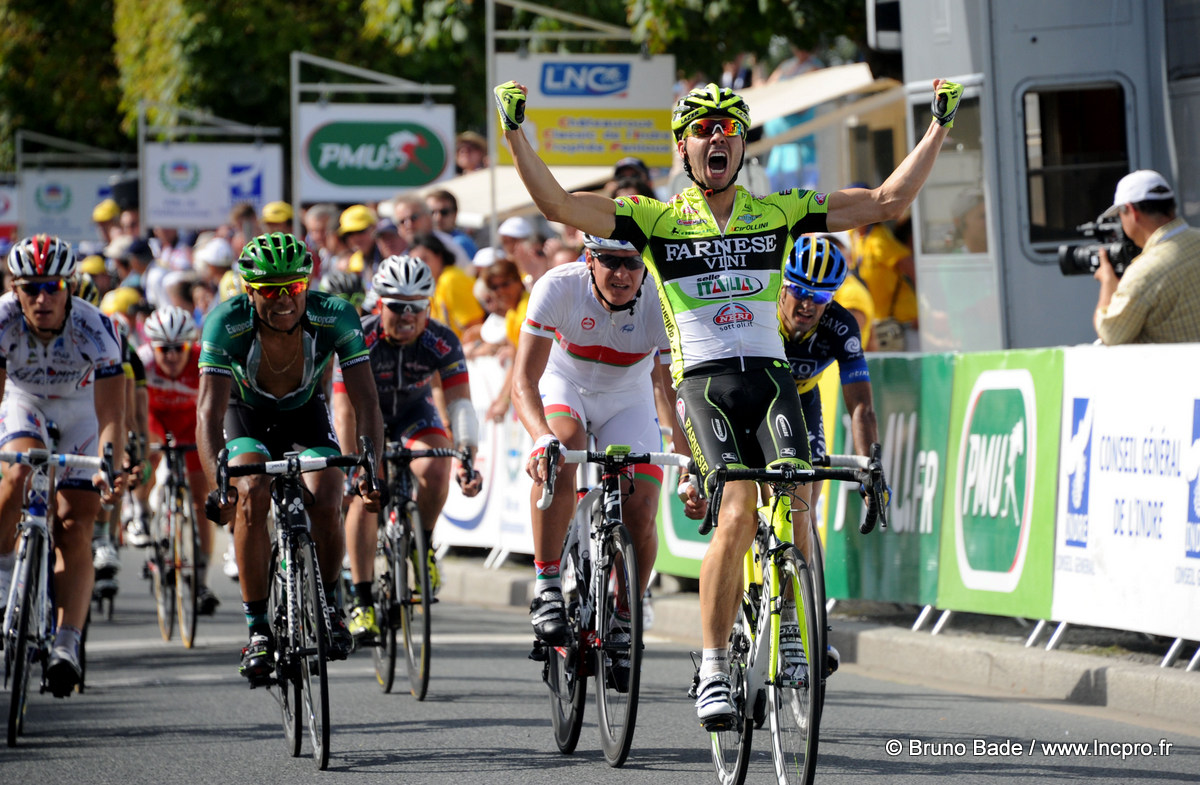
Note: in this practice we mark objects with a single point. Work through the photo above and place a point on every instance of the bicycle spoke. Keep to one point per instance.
(162, 567)
(387, 614)
(792, 700)
(287, 688)
(731, 748)
(314, 677)
(21, 640)
(566, 673)
(618, 662)
(187, 578)
(416, 603)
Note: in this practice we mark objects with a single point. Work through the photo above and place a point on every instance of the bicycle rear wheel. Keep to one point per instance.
(313, 632)
(731, 748)
(618, 662)
(21, 638)
(816, 572)
(793, 704)
(162, 567)
(416, 601)
(565, 673)
(387, 612)
(287, 684)
(187, 575)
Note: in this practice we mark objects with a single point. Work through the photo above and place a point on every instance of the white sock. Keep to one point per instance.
(714, 661)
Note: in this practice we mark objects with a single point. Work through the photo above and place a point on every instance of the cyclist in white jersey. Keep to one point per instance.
(593, 349)
(64, 389)
(716, 253)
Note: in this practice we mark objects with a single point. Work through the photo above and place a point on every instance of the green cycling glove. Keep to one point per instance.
(945, 103)
(510, 102)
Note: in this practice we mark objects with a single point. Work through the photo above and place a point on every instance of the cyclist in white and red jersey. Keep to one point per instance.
(716, 253)
(594, 345)
(64, 389)
(171, 355)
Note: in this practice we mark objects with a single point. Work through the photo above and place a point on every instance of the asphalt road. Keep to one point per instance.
(157, 713)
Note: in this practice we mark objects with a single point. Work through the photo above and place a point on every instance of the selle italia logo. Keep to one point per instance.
(376, 154)
(993, 495)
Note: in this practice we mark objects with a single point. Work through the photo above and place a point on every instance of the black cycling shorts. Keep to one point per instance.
(306, 428)
(742, 419)
(810, 402)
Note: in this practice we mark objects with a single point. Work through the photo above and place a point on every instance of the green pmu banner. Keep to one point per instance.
(680, 548)
(899, 563)
(997, 548)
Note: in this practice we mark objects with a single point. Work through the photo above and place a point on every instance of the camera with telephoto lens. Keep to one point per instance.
(1085, 259)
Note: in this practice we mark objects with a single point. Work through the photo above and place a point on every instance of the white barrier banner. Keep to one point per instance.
(1127, 543)
(499, 516)
(60, 201)
(195, 185)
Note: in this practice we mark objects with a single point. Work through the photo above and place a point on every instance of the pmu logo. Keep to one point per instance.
(1077, 464)
(993, 492)
(585, 79)
(387, 154)
(1192, 534)
(245, 183)
(733, 315)
(179, 176)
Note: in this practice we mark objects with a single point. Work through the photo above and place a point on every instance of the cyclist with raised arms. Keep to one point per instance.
(263, 360)
(593, 345)
(407, 350)
(64, 389)
(716, 253)
(171, 357)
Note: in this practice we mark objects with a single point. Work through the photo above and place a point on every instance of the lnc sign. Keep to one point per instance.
(584, 79)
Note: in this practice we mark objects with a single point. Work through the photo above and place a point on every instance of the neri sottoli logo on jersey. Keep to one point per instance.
(1077, 459)
(995, 479)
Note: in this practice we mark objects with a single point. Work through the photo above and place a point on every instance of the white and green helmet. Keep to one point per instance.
(274, 254)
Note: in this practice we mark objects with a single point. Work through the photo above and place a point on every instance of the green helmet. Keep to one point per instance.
(274, 254)
(708, 100)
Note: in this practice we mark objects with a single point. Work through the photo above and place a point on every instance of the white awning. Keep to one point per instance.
(474, 190)
(789, 96)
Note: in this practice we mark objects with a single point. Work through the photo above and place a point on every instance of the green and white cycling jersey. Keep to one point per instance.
(230, 346)
(718, 288)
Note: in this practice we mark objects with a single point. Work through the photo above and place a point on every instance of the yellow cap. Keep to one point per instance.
(277, 212)
(230, 285)
(356, 218)
(120, 300)
(93, 265)
(108, 210)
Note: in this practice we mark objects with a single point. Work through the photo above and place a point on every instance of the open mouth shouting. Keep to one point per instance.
(718, 163)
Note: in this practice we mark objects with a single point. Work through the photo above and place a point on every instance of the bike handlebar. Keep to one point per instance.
(614, 457)
(397, 451)
(294, 464)
(40, 456)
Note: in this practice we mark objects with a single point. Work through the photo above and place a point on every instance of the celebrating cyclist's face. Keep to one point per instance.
(614, 279)
(43, 300)
(404, 318)
(713, 154)
(798, 314)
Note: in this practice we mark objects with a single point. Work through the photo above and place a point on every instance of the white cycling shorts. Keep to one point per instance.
(74, 424)
(625, 417)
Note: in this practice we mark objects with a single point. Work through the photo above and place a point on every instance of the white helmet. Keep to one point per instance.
(594, 243)
(40, 255)
(170, 324)
(403, 276)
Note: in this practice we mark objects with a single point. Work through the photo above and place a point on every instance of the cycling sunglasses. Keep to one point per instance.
(273, 291)
(818, 296)
(405, 307)
(33, 289)
(172, 348)
(704, 127)
(614, 262)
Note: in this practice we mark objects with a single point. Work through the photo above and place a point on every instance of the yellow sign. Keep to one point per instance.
(599, 137)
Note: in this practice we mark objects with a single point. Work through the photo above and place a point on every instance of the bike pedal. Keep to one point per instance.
(539, 652)
(721, 722)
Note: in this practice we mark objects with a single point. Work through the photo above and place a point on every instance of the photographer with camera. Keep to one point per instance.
(1157, 299)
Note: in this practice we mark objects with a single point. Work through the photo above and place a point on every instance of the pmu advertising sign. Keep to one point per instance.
(370, 152)
(195, 185)
(593, 110)
(60, 201)
(996, 549)
(1127, 534)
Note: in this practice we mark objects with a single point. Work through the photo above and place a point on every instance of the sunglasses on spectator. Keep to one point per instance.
(273, 291)
(33, 289)
(405, 307)
(614, 262)
(704, 127)
(440, 211)
(818, 296)
(173, 348)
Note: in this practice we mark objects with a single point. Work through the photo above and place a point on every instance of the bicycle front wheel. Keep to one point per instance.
(21, 637)
(162, 566)
(387, 612)
(187, 574)
(792, 699)
(281, 608)
(731, 747)
(416, 600)
(313, 633)
(566, 674)
(816, 572)
(618, 662)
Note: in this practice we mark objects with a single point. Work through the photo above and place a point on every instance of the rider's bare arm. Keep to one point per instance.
(861, 405)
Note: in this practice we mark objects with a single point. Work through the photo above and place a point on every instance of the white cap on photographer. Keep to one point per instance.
(1140, 186)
